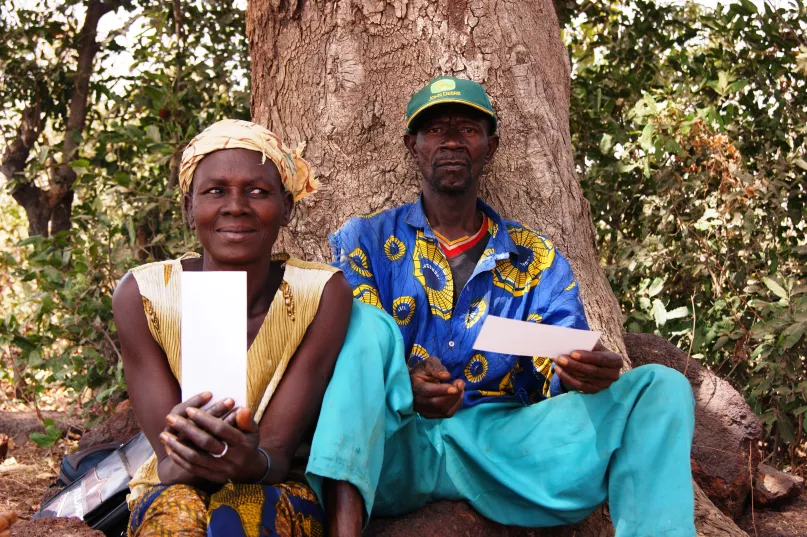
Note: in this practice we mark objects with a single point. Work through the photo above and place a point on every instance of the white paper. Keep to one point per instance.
(522, 338)
(214, 335)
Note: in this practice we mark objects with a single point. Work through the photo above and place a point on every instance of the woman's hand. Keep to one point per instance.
(218, 410)
(214, 449)
(170, 473)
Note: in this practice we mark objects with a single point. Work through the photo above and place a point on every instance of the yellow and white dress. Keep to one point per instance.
(293, 308)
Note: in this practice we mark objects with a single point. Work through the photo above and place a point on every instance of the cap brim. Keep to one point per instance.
(450, 101)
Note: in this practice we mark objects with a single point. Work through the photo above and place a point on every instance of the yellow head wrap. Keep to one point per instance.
(295, 172)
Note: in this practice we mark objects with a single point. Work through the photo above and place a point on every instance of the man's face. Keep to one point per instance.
(451, 147)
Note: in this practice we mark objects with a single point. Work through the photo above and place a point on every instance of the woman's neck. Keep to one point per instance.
(262, 280)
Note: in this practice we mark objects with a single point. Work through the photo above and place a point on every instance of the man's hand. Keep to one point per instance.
(435, 396)
(589, 372)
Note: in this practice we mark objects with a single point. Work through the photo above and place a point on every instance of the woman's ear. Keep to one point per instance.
(288, 214)
(187, 201)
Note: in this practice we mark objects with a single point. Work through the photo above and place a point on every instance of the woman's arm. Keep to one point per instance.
(152, 388)
(293, 410)
(295, 405)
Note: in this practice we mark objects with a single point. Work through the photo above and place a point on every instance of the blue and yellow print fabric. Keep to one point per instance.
(393, 260)
(284, 510)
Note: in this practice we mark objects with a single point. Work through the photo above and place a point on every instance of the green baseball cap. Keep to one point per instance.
(447, 89)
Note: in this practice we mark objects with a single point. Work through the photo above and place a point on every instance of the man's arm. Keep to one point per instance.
(558, 303)
(434, 395)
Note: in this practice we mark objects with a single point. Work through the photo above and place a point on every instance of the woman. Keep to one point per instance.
(217, 472)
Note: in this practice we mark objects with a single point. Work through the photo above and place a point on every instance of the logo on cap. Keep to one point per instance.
(445, 84)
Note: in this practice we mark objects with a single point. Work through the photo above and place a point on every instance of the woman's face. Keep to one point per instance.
(237, 205)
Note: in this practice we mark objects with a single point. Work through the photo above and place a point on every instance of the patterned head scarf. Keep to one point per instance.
(295, 173)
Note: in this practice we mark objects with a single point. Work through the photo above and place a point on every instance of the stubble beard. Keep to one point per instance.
(456, 188)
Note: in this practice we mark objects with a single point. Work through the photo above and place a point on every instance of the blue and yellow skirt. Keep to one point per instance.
(285, 510)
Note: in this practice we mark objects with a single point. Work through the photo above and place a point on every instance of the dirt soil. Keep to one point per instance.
(28, 470)
(790, 521)
(61, 527)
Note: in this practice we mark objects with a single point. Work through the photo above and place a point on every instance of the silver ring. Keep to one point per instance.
(223, 452)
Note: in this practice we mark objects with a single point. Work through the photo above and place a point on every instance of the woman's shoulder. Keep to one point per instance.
(166, 266)
(305, 281)
(299, 265)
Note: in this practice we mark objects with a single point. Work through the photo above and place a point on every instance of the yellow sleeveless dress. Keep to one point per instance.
(293, 308)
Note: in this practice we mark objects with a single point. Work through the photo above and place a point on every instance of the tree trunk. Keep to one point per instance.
(28, 195)
(338, 74)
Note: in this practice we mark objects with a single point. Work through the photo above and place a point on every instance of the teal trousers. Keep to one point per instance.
(547, 464)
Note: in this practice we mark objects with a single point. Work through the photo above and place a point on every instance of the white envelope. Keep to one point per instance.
(214, 335)
(522, 338)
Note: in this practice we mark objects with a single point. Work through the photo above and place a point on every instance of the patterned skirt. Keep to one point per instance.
(286, 510)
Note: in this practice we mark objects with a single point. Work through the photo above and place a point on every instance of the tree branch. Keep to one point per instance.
(16, 154)
(61, 183)
(32, 198)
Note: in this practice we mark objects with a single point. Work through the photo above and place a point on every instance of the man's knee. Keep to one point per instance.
(665, 384)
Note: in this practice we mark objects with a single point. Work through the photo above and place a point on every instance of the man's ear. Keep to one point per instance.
(409, 141)
(288, 213)
(493, 145)
(187, 201)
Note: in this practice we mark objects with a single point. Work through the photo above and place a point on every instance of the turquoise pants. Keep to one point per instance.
(547, 464)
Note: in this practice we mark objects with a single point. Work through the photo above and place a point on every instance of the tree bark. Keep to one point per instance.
(28, 195)
(338, 74)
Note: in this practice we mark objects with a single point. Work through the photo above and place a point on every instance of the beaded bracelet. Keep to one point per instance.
(268, 465)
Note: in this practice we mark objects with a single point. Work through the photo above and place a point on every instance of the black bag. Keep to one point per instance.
(98, 495)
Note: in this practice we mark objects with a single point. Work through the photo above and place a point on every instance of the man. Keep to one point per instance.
(526, 441)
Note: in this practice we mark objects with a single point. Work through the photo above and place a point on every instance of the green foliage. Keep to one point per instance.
(51, 435)
(689, 130)
(187, 71)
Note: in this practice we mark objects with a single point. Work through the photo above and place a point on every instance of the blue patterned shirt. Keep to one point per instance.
(393, 260)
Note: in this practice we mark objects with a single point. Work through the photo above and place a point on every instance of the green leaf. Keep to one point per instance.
(41, 439)
(774, 287)
(793, 334)
(659, 312)
(51, 435)
(622, 167)
(785, 430)
(80, 163)
(606, 143)
(646, 140)
(749, 6)
(678, 313)
(721, 341)
(656, 287)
